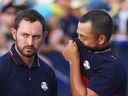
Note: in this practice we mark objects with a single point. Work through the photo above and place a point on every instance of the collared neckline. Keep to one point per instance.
(95, 50)
(18, 61)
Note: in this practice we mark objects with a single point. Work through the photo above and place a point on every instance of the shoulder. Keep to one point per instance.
(4, 64)
(113, 70)
(48, 71)
(4, 60)
(4, 68)
(110, 74)
(46, 68)
(114, 64)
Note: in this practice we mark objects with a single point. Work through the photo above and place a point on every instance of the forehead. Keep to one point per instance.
(85, 28)
(30, 27)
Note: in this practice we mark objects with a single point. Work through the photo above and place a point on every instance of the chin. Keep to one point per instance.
(28, 54)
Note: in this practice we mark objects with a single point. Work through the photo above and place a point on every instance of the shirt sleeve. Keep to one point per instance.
(106, 79)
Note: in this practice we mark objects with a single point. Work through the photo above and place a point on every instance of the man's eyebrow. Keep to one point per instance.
(24, 33)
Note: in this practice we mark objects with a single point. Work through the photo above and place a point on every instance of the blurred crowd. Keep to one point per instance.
(62, 18)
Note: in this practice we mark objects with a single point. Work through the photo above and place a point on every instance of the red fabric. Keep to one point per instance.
(85, 79)
(115, 95)
(13, 58)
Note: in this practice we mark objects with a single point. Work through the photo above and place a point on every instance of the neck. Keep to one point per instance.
(27, 60)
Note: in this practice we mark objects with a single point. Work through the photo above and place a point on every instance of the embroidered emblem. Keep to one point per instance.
(86, 64)
(44, 86)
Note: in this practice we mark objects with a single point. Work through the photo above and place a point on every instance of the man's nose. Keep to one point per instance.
(30, 41)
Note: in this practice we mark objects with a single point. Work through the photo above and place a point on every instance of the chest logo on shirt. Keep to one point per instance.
(86, 64)
(44, 86)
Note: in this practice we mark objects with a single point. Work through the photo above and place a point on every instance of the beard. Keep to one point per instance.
(27, 51)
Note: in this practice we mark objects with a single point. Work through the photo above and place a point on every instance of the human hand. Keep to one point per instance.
(71, 53)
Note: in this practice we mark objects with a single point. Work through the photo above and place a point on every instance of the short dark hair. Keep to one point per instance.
(29, 15)
(102, 23)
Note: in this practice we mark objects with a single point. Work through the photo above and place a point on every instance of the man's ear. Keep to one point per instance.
(45, 34)
(102, 39)
(13, 32)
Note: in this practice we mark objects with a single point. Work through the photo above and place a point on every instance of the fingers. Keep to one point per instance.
(71, 51)
(72, 42)
(67, 48)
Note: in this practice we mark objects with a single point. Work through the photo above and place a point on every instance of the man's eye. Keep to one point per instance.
(36, 36)
(25, 35)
